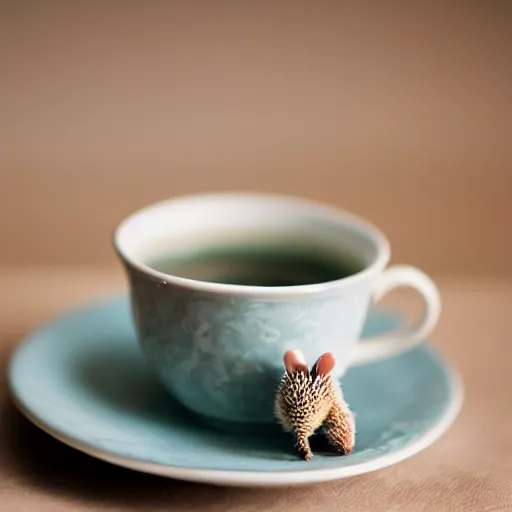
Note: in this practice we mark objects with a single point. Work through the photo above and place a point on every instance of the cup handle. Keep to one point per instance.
(380, 347)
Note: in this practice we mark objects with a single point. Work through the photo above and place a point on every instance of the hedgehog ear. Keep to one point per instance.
(323, 366)
(294, 361)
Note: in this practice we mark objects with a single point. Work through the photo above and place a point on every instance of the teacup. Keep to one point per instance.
(216, 340)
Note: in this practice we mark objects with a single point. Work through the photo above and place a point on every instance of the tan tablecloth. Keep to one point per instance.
(468, 469)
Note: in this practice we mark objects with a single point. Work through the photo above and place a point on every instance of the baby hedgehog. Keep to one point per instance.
(310, 400)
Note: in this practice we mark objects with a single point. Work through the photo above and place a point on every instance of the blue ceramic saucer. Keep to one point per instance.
(82, 379)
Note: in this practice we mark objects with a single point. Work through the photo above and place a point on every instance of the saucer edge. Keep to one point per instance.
(235, 478)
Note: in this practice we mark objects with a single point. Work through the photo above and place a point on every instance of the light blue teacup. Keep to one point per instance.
(217, 347)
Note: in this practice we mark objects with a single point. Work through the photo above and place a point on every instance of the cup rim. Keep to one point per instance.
(363, 225)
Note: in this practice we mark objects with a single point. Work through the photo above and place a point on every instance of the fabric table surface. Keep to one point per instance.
(468, 469)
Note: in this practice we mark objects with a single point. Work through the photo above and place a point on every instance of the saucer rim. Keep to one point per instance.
(236, 478)
(251, 478)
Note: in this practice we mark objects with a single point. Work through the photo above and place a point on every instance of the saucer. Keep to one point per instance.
(82, 379)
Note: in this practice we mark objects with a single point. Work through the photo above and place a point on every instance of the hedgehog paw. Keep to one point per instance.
(306, 454)
(303, 448)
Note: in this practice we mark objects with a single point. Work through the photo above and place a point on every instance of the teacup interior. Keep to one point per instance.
(257, 258)
(250, 240)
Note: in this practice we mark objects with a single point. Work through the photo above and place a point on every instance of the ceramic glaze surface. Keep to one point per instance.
(82, 378)
(218, 346)
(223, 356)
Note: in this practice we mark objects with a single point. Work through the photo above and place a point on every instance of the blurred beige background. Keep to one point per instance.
(400, 112)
